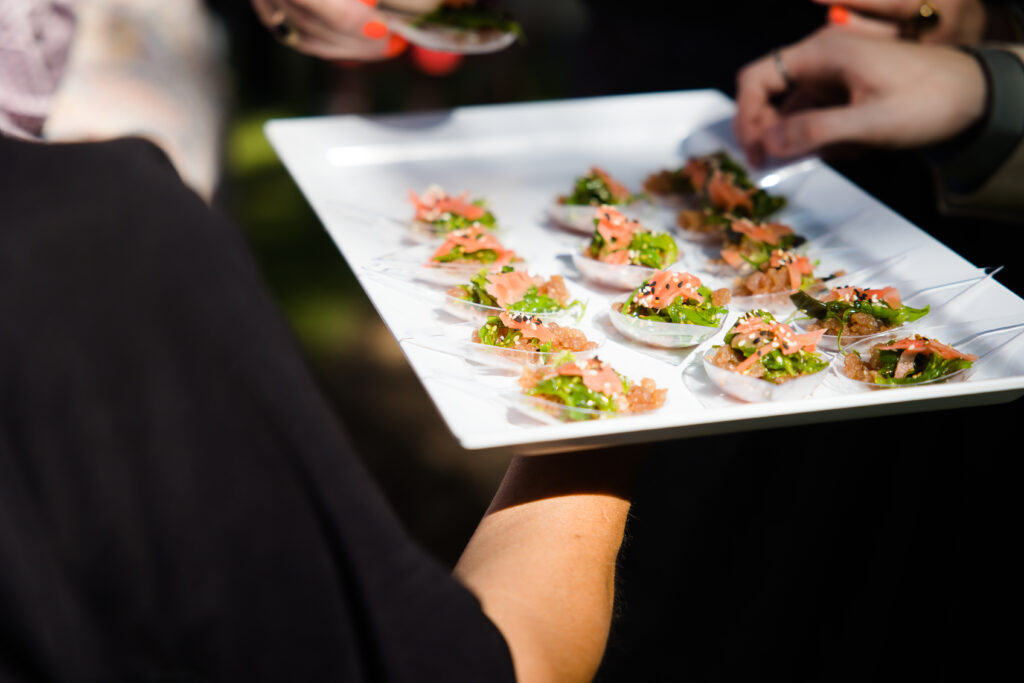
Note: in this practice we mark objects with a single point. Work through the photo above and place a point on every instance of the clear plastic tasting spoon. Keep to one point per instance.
(456, 340)
(666, 335)
(982, 344)
(918, 299)
(447, 38)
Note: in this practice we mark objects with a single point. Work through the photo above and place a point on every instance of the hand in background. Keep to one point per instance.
(336, 29)
(848, 88)
(960, 22)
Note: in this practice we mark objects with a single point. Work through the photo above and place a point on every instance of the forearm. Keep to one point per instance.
(542, 561)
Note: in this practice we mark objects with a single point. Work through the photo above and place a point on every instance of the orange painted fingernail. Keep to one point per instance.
(396, 46)
(837, 14)
(371, 3)
(375, 30)
(434, 63)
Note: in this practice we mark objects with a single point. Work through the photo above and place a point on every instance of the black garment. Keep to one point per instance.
(176, 501)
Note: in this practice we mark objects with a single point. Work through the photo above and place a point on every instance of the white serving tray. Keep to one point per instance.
(520, 157)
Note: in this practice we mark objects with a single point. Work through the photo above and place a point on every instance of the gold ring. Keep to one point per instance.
(925, 19)
(283, 30)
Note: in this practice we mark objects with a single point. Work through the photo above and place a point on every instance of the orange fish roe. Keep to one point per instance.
(555, 289)
(695, 220)
(783, 273)
(530, 327)
(645, 396)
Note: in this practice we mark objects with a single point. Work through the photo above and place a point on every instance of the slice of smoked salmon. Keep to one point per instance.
(597, 376)
(529, 325)
(508, 288)
(769, 233)
(665, 286)
(725, 195)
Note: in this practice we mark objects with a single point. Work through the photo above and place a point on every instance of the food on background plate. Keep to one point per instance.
(759, 346)
(525, 332)
(675, 297)
(598, 188)
(457, 27)
(618, 240)
(855, 311)
(911, 360)
(784, 271)
(472, 245)
(470, 17)
(517, 290)
(445, 213)
(591, 385)
(721, 188)
(751, 244)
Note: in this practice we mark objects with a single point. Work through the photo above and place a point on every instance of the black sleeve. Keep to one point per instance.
(176, 500)
(967, 162)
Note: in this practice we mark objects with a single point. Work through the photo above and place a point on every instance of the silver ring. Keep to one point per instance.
(780, 66)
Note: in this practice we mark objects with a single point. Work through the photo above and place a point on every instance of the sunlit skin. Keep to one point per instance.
(542, 560)
(339, 29)
(851, 88)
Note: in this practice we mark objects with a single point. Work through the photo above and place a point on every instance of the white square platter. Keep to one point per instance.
(519, 157)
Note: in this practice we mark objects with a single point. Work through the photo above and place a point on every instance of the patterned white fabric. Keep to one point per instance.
(35, 37)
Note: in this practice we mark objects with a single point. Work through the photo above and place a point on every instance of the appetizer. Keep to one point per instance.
(516, 290)
(592, 385)
(759, 346)
(721, 188)
(472, 245)
(857, 311)
(444, 213)
(674, 297)
(525, 332)
(911, 360)
(750, 243)
(622, 241)
(784, 271)
(597, 188)
(469, 17)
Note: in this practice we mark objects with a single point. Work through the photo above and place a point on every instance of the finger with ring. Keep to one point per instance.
(925, 18)
(283, 29)
(780, 66)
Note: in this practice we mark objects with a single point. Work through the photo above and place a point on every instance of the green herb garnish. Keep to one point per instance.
(495, 333)
(532, 302)
(927, 367)
(472, 18)
(654, 250)
(459, 254)
(570, 391)
(681, 310)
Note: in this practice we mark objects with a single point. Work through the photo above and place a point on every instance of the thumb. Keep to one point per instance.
(810, 130)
